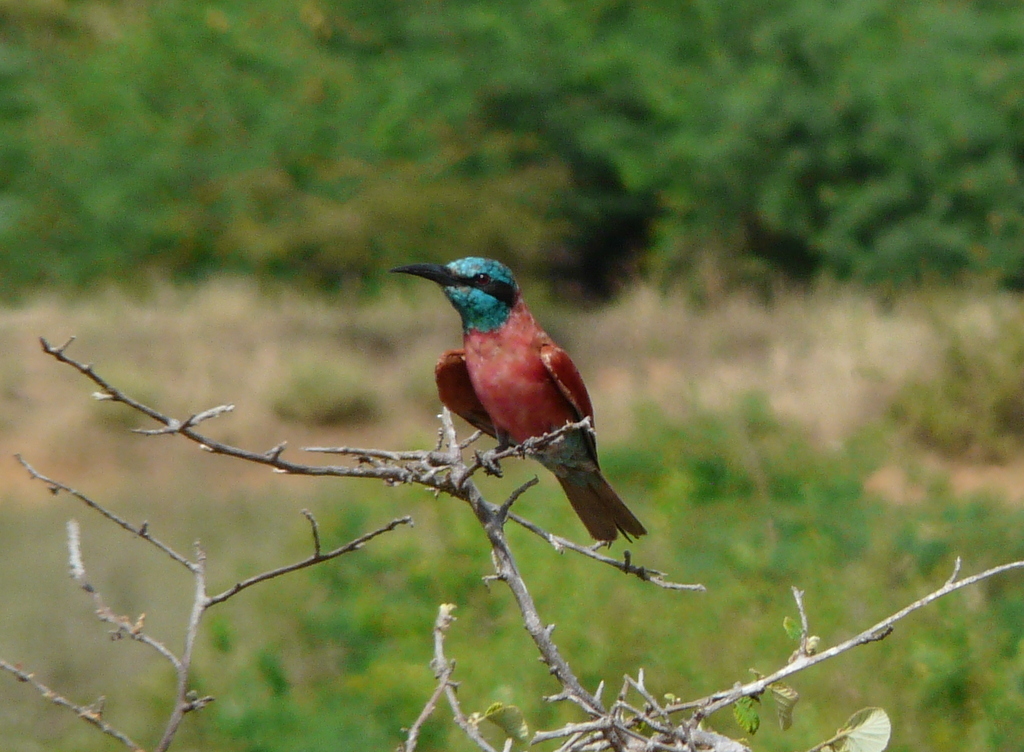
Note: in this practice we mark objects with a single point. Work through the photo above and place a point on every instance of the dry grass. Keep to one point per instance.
(829, 360)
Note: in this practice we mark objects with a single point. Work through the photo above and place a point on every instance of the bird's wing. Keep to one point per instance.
(457, 393)
(565, 376)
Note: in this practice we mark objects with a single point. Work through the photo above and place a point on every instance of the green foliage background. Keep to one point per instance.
(323, 139)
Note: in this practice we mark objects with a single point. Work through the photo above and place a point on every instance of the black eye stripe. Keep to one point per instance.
(503, 291)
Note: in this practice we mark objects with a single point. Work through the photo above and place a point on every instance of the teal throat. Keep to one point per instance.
(478, 310)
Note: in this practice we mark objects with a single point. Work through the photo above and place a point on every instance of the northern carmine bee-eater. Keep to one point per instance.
(513, 382)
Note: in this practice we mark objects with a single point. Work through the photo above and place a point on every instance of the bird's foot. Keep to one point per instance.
(489, 464)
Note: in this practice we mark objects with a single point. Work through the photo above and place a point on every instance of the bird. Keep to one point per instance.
(511, 381)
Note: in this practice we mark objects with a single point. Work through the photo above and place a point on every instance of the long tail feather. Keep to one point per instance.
(601, 510)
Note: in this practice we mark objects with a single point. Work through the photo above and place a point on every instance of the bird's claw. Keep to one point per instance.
(489, 464)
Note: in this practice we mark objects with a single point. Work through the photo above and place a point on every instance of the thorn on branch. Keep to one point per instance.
(173, 426)
(274, 453)
(194, 702)
(316, 531)
(956, 572)
(504, 509)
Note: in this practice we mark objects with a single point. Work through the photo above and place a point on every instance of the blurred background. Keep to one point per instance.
(783, 240)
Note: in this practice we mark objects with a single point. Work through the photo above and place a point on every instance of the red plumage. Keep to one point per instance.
(514, 383)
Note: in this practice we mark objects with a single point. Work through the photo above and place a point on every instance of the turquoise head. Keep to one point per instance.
(483, 291)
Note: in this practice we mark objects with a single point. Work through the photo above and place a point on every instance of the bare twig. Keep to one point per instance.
(183, 703)
(489, 460)
(808, 645)
(441, 469)
(123, 626)
(626, 565)
(185, 700)
(142, 531)
(443, 667)
(88, 713)
(572, 729)
(503, 511)
(316, 530)
(316, 557)
(395, 473)
(708, 705)
(175, 426)
(443, 670)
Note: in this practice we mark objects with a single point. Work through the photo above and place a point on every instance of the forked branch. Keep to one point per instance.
(442, 469)
(185, 700)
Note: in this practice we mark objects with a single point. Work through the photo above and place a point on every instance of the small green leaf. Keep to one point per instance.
(745, 713)
(509, 719)
(793, 630)
(868, 730)
(785, 700)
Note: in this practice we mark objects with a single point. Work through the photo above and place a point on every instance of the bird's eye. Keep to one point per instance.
(481, 279)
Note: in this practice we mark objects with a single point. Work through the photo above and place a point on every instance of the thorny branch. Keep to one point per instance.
(799, 662)
(687, 734)
(92, 714)
(443, 670)
(316, 557)
(185, 700)
(142, 531)
(593, 552)
(441, 469)
(623, 726)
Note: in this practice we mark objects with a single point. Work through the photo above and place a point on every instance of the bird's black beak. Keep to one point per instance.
(435, 272)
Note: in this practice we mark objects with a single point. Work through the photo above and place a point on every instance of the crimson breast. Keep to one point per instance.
(511, 381)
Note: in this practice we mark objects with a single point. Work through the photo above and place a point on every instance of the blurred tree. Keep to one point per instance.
(878, 140)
